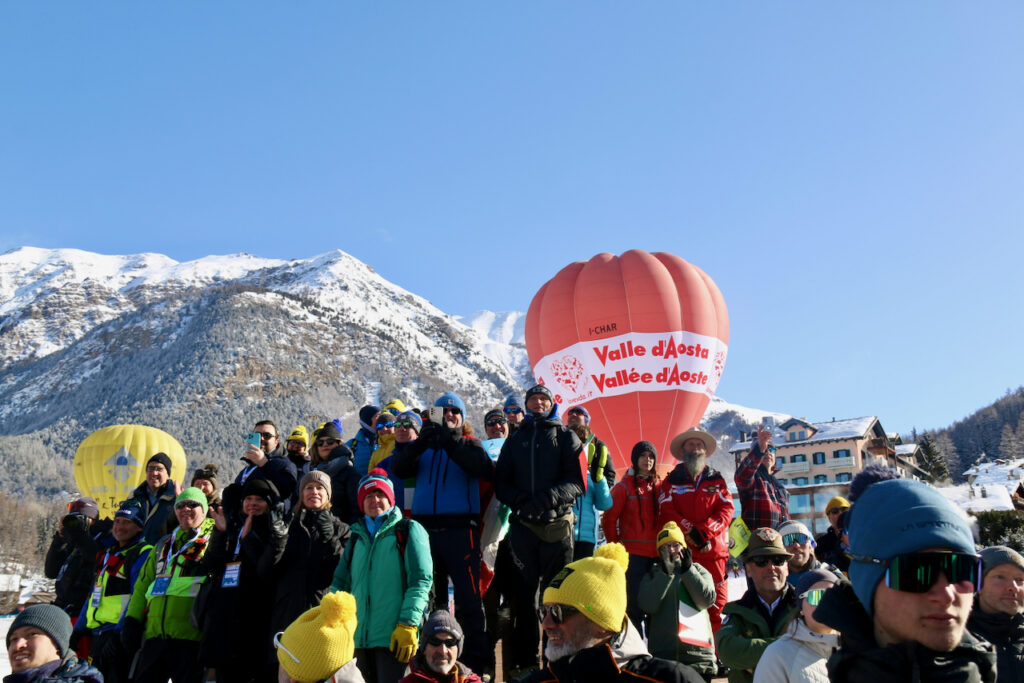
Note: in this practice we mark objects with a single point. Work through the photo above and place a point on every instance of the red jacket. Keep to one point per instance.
(633, 517)
(705, 505)
(419, 672)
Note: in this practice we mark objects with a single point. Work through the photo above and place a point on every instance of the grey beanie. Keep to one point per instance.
(438, 621)
(898, 517)
(49, 619)
(1000, 554)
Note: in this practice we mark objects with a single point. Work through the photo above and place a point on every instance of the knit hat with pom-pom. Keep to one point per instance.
(320, 641)
(596, 586)
(376, 479)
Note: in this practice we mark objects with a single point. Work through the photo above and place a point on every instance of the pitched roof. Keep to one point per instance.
(827, 431)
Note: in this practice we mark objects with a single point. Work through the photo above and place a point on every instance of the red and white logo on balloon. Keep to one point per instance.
(570, 373)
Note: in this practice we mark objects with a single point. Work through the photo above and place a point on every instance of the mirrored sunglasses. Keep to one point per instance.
(918, 572)
(494, 421)
(190, 504)
(513, 410)
(385, 425)
(404, 425)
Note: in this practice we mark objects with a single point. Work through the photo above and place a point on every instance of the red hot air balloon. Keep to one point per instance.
(639, 339)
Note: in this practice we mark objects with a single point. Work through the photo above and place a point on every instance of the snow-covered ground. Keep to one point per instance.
(5, 624)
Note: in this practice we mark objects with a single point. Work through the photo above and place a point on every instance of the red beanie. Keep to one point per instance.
(376, 479)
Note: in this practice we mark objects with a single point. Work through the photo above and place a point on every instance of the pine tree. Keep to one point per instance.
(1009, 444)
(948, 453)
(932, 461)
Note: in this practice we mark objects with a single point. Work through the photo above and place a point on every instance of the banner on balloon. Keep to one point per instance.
(638, 361)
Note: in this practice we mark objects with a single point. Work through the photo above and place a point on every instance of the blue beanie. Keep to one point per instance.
(131, 510)
(513, 401)
(451, 400)
(897, 517)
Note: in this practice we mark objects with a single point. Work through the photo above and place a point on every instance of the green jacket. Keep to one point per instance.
(388, 590)
(746, 631)
(659, 596)
(167, 616)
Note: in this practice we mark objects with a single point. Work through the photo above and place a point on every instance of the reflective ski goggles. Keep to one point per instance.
(558, 613)
(799, 538)
(813, 597)
(918, 572)
(385, 425)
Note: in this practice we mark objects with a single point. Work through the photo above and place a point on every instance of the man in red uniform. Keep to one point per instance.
(696, 497)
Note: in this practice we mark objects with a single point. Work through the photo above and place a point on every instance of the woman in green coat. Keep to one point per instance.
(387, 567)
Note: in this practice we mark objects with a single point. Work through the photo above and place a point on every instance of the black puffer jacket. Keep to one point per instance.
(303, 563)
(1007, 634)
(860, 659)
(278, 470)
(344, 484)
(539, 468)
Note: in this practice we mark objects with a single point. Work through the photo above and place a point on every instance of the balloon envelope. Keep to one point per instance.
(111, 462)
(640, 340)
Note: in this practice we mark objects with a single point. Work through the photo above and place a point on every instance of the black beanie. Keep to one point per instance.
(639, 448)
(49, 619)
(265, 489)
(163, 460)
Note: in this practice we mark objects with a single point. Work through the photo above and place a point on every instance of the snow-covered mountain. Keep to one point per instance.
(203, 349)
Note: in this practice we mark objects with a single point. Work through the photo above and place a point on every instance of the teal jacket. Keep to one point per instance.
(388, 589)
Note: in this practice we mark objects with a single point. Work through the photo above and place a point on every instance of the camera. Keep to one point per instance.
(75, 522)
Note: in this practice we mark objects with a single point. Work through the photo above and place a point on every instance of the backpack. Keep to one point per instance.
(401, 541)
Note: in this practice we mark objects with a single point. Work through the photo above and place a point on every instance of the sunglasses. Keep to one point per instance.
(282, 648)
(327, 442)
(558, 613)
(576, 411)
(404, 425)
(451, 643)
(918, 572)
(385, 425)
(190, 504)
(774, 560)
(452, 411)
(266, 436)
(813, 597)
(790, 539)
(494, 422)
(513, 411)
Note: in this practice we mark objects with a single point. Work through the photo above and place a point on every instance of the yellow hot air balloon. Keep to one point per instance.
(111, 462)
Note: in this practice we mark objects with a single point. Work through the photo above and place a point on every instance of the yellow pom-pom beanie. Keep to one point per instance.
(321, 639)
(670, 532)
(596, 586)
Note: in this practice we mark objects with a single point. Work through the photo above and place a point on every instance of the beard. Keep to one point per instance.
(580, 639)
(440, 665)
(694, 463)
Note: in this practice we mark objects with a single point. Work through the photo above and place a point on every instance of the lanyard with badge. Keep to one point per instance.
(97, 590)
(163, 580)
(233, 569)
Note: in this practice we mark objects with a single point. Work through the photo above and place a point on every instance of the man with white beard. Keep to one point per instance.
(589, 637)
(696, 497)
(440, 644)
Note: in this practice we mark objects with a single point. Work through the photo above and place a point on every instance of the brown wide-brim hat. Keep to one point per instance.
(765, 542)
(676, 447)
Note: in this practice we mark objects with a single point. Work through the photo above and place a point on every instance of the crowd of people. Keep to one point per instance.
(408, 551)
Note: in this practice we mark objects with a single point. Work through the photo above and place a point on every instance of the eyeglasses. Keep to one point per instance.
(918, 572)
(438, 642)
(495, 421)
(790, 539)
(558, 613)
(813, 597)
(190, 504)
(774, 560)
(385, 425)
(404, 425)
(282, 648)
(326, 442)
(266, 436)
(513, 410)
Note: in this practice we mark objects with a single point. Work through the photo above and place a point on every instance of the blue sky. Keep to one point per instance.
(849, 175)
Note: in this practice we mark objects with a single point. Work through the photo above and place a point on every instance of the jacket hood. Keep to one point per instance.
(628, 643)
